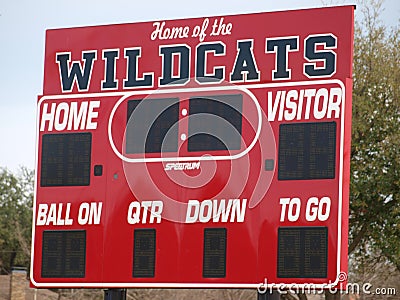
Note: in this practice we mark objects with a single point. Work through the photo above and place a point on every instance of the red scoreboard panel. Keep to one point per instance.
(205, 152)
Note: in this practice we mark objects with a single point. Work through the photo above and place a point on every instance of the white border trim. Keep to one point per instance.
(244, 88)
(187, 158)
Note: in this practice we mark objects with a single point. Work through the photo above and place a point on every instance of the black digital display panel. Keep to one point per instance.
(64, 254)
(214, 255)
(215, 123)
(152, 125)
(66, 159)
(307, 151)
(144, 255)
(302, 252)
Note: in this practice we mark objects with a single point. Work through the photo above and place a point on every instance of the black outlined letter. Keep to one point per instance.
(133, 80)
(75, 72)
(245, 67)
(168, 54)
(217, 76)
(282, 46)
(110, 56)
(326, 56)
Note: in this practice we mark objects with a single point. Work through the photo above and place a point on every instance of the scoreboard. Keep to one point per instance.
(204, 152)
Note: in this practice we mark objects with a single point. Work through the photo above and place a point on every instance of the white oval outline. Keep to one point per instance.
(186, 158)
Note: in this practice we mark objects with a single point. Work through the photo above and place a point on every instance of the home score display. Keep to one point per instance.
(204, 152)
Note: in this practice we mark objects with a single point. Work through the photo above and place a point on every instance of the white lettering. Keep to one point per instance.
(216, 211)
(155, 212)
(283, 202)
(192, 211)
(324, 208)
(237, 210)
(182, 166)
(293, 211)
(220, 211)
(77, 117)
(205, 211)
(92, 115)
(41, 214)
(163, 33)
(90, 213)
(70, 116)
(54, 214)
(304, 104)
(312, 209)
(134, 213)
(47, 117)
(320, 113)
(334, 105)
(273, 105)
(200, 32)
(137, 212)
(318, 209)
(61, 122)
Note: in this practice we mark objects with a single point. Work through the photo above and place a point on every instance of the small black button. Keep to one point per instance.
(98, 170)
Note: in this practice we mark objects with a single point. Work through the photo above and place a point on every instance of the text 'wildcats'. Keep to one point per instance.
(320, 61)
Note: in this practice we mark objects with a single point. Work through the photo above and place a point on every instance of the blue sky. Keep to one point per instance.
(22, 30)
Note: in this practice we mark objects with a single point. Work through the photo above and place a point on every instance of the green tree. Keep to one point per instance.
(16, 194)
(374, 235)
(375, 162)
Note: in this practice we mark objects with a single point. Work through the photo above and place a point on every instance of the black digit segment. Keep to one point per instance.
(152, 126)
(64, 254)
(307, 151)
(214, 257)
(144, 253)
(66, 159)
(302, 252)
(215, 123)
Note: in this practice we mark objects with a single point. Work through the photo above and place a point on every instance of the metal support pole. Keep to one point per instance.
(115, 294)
(268, 295)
